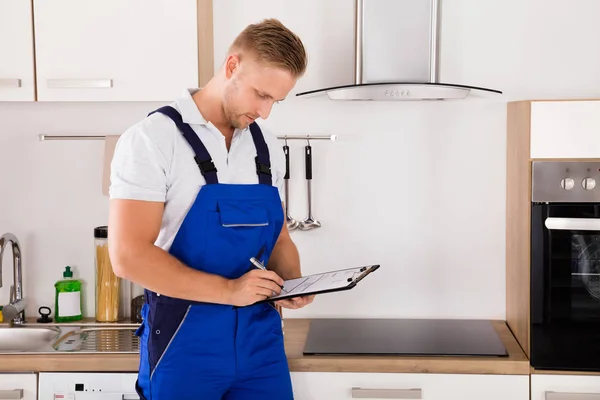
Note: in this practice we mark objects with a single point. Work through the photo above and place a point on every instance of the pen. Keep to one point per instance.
(259, 265)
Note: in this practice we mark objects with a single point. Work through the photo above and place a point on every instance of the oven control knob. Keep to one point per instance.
(588, 183)
(567, 183)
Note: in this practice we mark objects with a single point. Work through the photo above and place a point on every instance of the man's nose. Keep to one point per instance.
(264, 109)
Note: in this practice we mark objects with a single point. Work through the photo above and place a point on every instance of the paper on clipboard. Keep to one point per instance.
(324, 282)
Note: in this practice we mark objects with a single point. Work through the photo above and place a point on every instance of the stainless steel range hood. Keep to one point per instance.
(396, 55)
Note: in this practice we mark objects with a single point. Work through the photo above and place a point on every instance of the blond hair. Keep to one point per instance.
(271, 42)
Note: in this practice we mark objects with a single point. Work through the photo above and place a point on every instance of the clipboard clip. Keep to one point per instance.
(361, 273)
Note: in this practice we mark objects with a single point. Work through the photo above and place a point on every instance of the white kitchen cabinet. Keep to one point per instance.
(565, 387)
(16, 51)
(346, 386)
(565, 129)
(18, 386)
(115, 50)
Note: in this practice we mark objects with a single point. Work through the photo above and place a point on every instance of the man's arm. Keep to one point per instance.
(134, 227)
(285, 260)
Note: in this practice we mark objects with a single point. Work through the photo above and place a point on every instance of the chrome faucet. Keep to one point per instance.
(14, 310)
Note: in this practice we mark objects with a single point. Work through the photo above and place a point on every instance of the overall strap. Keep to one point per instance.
(263, 163)
(202, 157)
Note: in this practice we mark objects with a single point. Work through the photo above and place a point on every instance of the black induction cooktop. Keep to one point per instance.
(420, 337)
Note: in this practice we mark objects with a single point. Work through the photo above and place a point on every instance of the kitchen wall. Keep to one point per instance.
(417, 187)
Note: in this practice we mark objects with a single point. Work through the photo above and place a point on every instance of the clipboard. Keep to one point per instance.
(325, 282)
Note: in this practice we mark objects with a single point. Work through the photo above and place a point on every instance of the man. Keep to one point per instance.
(195, 194)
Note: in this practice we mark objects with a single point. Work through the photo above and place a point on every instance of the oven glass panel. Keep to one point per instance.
(585, 276)
(565, 287)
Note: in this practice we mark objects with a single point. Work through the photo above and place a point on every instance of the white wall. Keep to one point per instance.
(416, 187)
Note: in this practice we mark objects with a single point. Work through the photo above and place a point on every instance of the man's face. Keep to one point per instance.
(251, 90)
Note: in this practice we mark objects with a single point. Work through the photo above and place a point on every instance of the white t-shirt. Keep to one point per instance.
(153, 161)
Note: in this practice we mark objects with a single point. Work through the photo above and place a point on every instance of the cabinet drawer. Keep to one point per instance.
(565, 387)
(18, 386)
(565, 129)
(347, 386)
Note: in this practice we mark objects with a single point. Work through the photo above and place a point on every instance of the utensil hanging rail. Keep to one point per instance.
(102, 137)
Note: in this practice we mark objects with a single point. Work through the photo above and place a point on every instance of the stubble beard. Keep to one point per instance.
(234, 119)
(232, 115)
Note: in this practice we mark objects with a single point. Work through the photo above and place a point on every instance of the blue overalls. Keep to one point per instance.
(193, 350)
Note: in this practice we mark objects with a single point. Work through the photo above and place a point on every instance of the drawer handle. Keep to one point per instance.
(16, 394)
(359, 393)
(572, 396)
(79, 83)
(10, 83)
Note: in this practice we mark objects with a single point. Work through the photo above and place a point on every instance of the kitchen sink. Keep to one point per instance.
(27, 339)
(33, 339)
(98, 339)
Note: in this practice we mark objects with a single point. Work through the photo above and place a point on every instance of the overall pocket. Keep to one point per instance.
(236, 231)
(238, 214)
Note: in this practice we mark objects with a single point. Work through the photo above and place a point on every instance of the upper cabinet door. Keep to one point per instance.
(16, 51)
(565, 129)
(115, 50)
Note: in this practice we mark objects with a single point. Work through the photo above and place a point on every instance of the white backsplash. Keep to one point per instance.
(418, 187)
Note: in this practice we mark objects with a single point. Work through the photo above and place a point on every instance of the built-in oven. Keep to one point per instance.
(565, 266)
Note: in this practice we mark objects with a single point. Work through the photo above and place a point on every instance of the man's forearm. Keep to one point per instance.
(155, 269)
(285, 260)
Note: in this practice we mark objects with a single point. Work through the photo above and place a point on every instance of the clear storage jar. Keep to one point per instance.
(107, 283)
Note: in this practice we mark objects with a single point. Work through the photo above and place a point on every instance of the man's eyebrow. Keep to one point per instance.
(260, 92)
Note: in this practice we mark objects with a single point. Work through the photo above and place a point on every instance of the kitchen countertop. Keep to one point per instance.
(296, 331)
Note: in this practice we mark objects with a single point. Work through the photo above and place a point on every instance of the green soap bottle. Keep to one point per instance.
(68, 298)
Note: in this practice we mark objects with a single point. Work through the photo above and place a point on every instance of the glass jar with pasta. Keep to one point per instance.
(107, 283)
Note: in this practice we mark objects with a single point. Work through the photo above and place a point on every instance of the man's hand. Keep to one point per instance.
(296, 302)
(254, 286)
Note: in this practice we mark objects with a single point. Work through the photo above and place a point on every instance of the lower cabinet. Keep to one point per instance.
(333, 386)
(345, 386)
(18, 386)
(565, 387)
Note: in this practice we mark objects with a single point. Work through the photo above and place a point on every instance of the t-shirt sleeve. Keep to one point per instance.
(138, 168)
(277, 161)
(279, 171)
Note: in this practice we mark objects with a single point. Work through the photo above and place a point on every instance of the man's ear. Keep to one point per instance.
(231, 64)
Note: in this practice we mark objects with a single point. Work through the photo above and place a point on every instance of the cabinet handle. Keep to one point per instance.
(10, 83)
(359, 393)
(11, 394)
(79, 83)
(572, 396)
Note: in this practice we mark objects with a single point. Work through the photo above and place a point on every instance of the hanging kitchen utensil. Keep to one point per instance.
(292, 224)
(310, 222)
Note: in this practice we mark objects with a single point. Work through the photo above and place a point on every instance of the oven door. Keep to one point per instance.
(565, 286)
